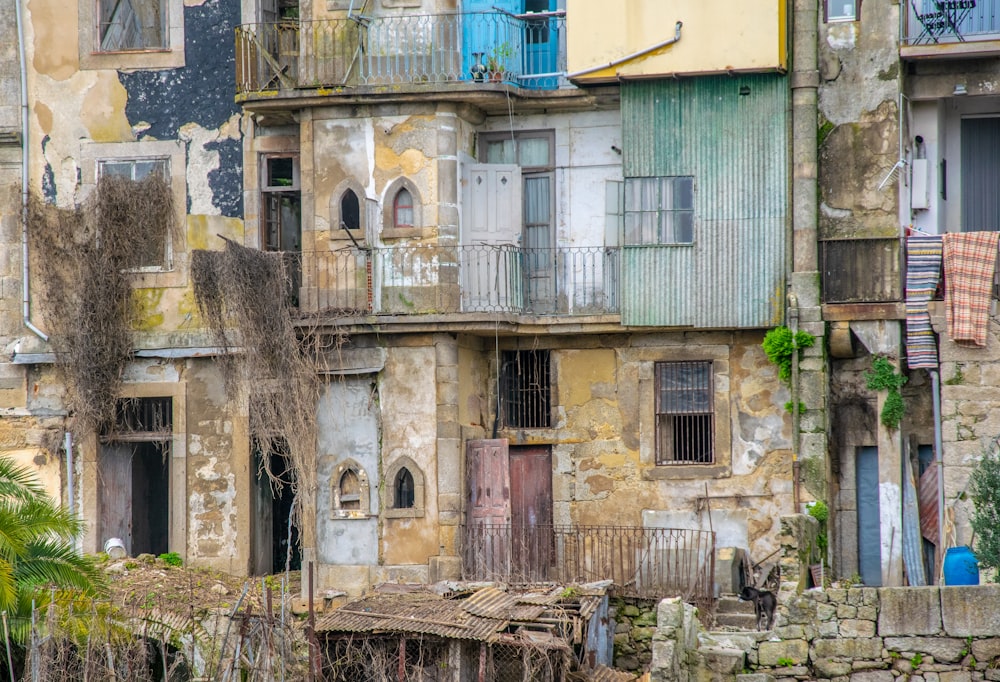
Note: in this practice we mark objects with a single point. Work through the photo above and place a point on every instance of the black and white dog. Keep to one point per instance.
(764, 603)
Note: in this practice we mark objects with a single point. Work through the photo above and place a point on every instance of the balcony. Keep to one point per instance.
(950, 28)
(466, 51)
(425, 280)
(640, 562)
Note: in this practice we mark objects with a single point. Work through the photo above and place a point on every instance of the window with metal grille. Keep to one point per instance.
(685, 420)
(525, 389)
(141, 419)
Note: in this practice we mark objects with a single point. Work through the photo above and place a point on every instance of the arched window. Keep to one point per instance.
(402, 209)
(403, 493)
(350, 211)
(404, 489)
(350, 491)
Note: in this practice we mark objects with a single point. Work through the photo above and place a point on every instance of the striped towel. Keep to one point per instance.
(969, 261)
(923, 271)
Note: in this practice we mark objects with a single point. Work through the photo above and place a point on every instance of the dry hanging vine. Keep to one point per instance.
(83, 256)
(270, 367)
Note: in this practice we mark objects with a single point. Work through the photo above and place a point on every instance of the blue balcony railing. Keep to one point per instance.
(460, 48)
(930, 22)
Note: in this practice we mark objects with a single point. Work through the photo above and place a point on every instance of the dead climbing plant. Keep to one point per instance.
(270, 365)
(83, 256)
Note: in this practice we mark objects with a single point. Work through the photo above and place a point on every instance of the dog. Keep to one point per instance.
(764, 603)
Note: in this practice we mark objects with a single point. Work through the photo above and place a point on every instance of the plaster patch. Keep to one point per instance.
(200, 163)
(44, 116)
(832, 212)
(841, 36)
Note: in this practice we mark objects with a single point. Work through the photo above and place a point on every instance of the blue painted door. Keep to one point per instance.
(869, 526)
(488, 33)
(540, 51)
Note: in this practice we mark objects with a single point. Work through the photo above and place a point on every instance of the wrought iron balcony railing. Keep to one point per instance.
(462, 49)
(640, 562)
(930, 22)
(415, 280)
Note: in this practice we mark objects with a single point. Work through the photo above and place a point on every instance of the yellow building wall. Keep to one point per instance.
(717, 36)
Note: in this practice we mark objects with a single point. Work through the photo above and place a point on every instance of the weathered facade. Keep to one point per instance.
(552, 245)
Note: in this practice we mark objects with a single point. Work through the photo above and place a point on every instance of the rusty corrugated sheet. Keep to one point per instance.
(927, 495)
(426, 614)
(490, 602)
(731, 135)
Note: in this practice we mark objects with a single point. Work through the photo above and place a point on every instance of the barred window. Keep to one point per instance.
(525, 389)
(685, 419)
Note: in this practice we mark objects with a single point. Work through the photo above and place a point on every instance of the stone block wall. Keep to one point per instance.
(635, 625)
(865, 634)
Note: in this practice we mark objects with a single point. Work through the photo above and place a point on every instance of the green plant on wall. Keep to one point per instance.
(883, 377)
(780, 343)
(819, 511)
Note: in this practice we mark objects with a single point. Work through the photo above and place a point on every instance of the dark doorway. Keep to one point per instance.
(272, 521)
(134, 476)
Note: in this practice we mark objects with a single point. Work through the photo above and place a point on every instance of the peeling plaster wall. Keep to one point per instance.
(858, 126)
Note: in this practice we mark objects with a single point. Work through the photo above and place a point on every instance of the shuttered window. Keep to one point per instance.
(685, 414)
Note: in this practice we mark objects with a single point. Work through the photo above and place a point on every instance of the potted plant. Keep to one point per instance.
(497, 60)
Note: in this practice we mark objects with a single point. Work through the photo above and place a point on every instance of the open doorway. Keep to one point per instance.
(273, 525)
(134, 476)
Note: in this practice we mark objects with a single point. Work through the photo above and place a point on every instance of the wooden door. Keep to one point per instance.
(488, 511)
(114, 480)
(531, 511)
(261, 519)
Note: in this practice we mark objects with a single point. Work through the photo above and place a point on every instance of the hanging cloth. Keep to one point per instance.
(923, 272)
(969, 262)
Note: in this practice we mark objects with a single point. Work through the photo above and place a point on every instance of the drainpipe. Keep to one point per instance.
(938, 459)
(68, 446)
(25, 291)
(793, 324)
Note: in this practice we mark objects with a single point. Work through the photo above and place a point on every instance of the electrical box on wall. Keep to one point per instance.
(919, 194)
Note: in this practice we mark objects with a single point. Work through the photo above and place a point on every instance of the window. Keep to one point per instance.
(525, 389)
(281, 204)
(350, 491)
(350, 211)
(132, 25)
(402, 209)
(403, 490)
(685, 420)
(659, 210)
(842, 10)
(154, 252)
(403, 494)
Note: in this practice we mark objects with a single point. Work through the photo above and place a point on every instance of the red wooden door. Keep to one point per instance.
(487, 554)
(531, 511)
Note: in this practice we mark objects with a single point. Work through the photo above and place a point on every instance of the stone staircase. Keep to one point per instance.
(731, 613)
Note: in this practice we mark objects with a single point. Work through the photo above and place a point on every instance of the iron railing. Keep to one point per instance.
(640, 562)
(415, 280)
(927, 22)
(471, 48)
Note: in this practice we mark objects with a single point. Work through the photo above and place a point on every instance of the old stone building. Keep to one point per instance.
(547, 239)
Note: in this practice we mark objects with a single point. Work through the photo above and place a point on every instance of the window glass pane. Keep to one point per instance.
(534, 151)
(683, 196)
(280, 172)
(122, 169)
(841, 10)
(350, 211)
(403, 208)
(500, 151)
(537, 202)
(684, 227)
(144, 168)
(132, 24)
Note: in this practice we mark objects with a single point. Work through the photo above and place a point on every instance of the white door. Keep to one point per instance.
(491, 231)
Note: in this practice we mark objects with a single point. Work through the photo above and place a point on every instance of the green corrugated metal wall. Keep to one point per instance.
(736, 147)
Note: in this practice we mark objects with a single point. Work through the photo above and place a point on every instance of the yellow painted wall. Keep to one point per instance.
(717, 36)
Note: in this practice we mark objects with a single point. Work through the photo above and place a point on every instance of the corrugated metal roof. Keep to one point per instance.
(731, 135)
(426, 614)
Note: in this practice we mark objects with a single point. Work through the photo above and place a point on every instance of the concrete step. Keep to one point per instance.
(743, 621)
(732, 604)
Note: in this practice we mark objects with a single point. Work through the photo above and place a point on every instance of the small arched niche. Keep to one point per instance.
(350, 491)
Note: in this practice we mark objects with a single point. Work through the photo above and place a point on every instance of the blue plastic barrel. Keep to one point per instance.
(960, 567)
